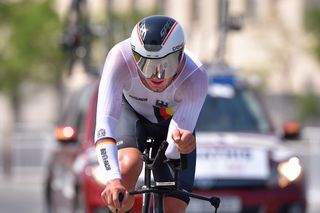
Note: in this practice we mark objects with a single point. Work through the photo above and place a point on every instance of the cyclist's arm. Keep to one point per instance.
(191, 94)
(115, 75)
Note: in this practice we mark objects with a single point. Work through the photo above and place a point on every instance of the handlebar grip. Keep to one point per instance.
(183, 161)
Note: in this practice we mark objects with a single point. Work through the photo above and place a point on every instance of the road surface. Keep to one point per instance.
(21, 196)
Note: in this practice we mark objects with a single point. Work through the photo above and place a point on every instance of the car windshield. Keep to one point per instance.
(232, 110)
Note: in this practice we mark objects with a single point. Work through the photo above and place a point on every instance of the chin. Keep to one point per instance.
(157, 89)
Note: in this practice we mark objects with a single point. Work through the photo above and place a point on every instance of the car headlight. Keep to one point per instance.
(289, 171)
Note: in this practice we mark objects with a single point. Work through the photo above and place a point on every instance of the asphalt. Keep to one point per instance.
(21, 196)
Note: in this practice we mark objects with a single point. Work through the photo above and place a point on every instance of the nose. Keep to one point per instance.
(158, 68)
(159, 71)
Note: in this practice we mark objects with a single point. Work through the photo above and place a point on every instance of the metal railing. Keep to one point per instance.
(29, 150)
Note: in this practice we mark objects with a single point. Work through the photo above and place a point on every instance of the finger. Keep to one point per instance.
(186, 147)
(126, 197)
(190, 147)
(104, 198)
(179, 148)
(188, 139)
(185, 150)
(110, 199)
(187, 136)
(115, 199)
(176, 135)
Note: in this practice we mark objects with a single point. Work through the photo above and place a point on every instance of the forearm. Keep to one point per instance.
(108, 158)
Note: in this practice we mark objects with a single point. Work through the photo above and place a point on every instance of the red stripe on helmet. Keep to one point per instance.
(138, 31)
(169, 33)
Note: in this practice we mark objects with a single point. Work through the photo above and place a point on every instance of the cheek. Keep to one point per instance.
(165, 83)
(168, 81)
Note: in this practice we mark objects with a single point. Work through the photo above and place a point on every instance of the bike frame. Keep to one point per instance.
(160, 189)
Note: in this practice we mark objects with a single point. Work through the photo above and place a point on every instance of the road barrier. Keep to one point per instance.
(30, 148)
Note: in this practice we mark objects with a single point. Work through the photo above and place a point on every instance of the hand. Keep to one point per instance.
(184, 140)
(110, 195)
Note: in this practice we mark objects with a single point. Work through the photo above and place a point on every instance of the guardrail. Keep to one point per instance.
(29, 150)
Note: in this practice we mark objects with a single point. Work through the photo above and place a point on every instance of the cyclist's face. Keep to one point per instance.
(157, 84)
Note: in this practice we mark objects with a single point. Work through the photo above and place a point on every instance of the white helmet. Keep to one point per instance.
(157, 43)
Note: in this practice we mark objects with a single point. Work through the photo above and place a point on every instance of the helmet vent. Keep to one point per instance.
(152, 47)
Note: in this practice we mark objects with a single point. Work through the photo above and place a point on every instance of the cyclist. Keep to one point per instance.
(150, 86)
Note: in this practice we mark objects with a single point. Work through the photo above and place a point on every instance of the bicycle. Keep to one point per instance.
(160, 189)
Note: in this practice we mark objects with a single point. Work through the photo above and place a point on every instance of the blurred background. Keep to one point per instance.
(49, 49)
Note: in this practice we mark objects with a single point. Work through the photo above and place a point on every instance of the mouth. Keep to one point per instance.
(157, 85)
(156, 82)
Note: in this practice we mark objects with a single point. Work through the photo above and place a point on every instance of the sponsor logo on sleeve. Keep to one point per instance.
(105, 160)
(101, 133)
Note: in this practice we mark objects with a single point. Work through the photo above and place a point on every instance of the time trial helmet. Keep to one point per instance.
(157, 44)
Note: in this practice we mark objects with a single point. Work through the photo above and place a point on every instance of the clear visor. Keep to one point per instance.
(161, 68)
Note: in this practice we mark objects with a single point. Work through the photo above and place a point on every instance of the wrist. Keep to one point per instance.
(114, 181)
